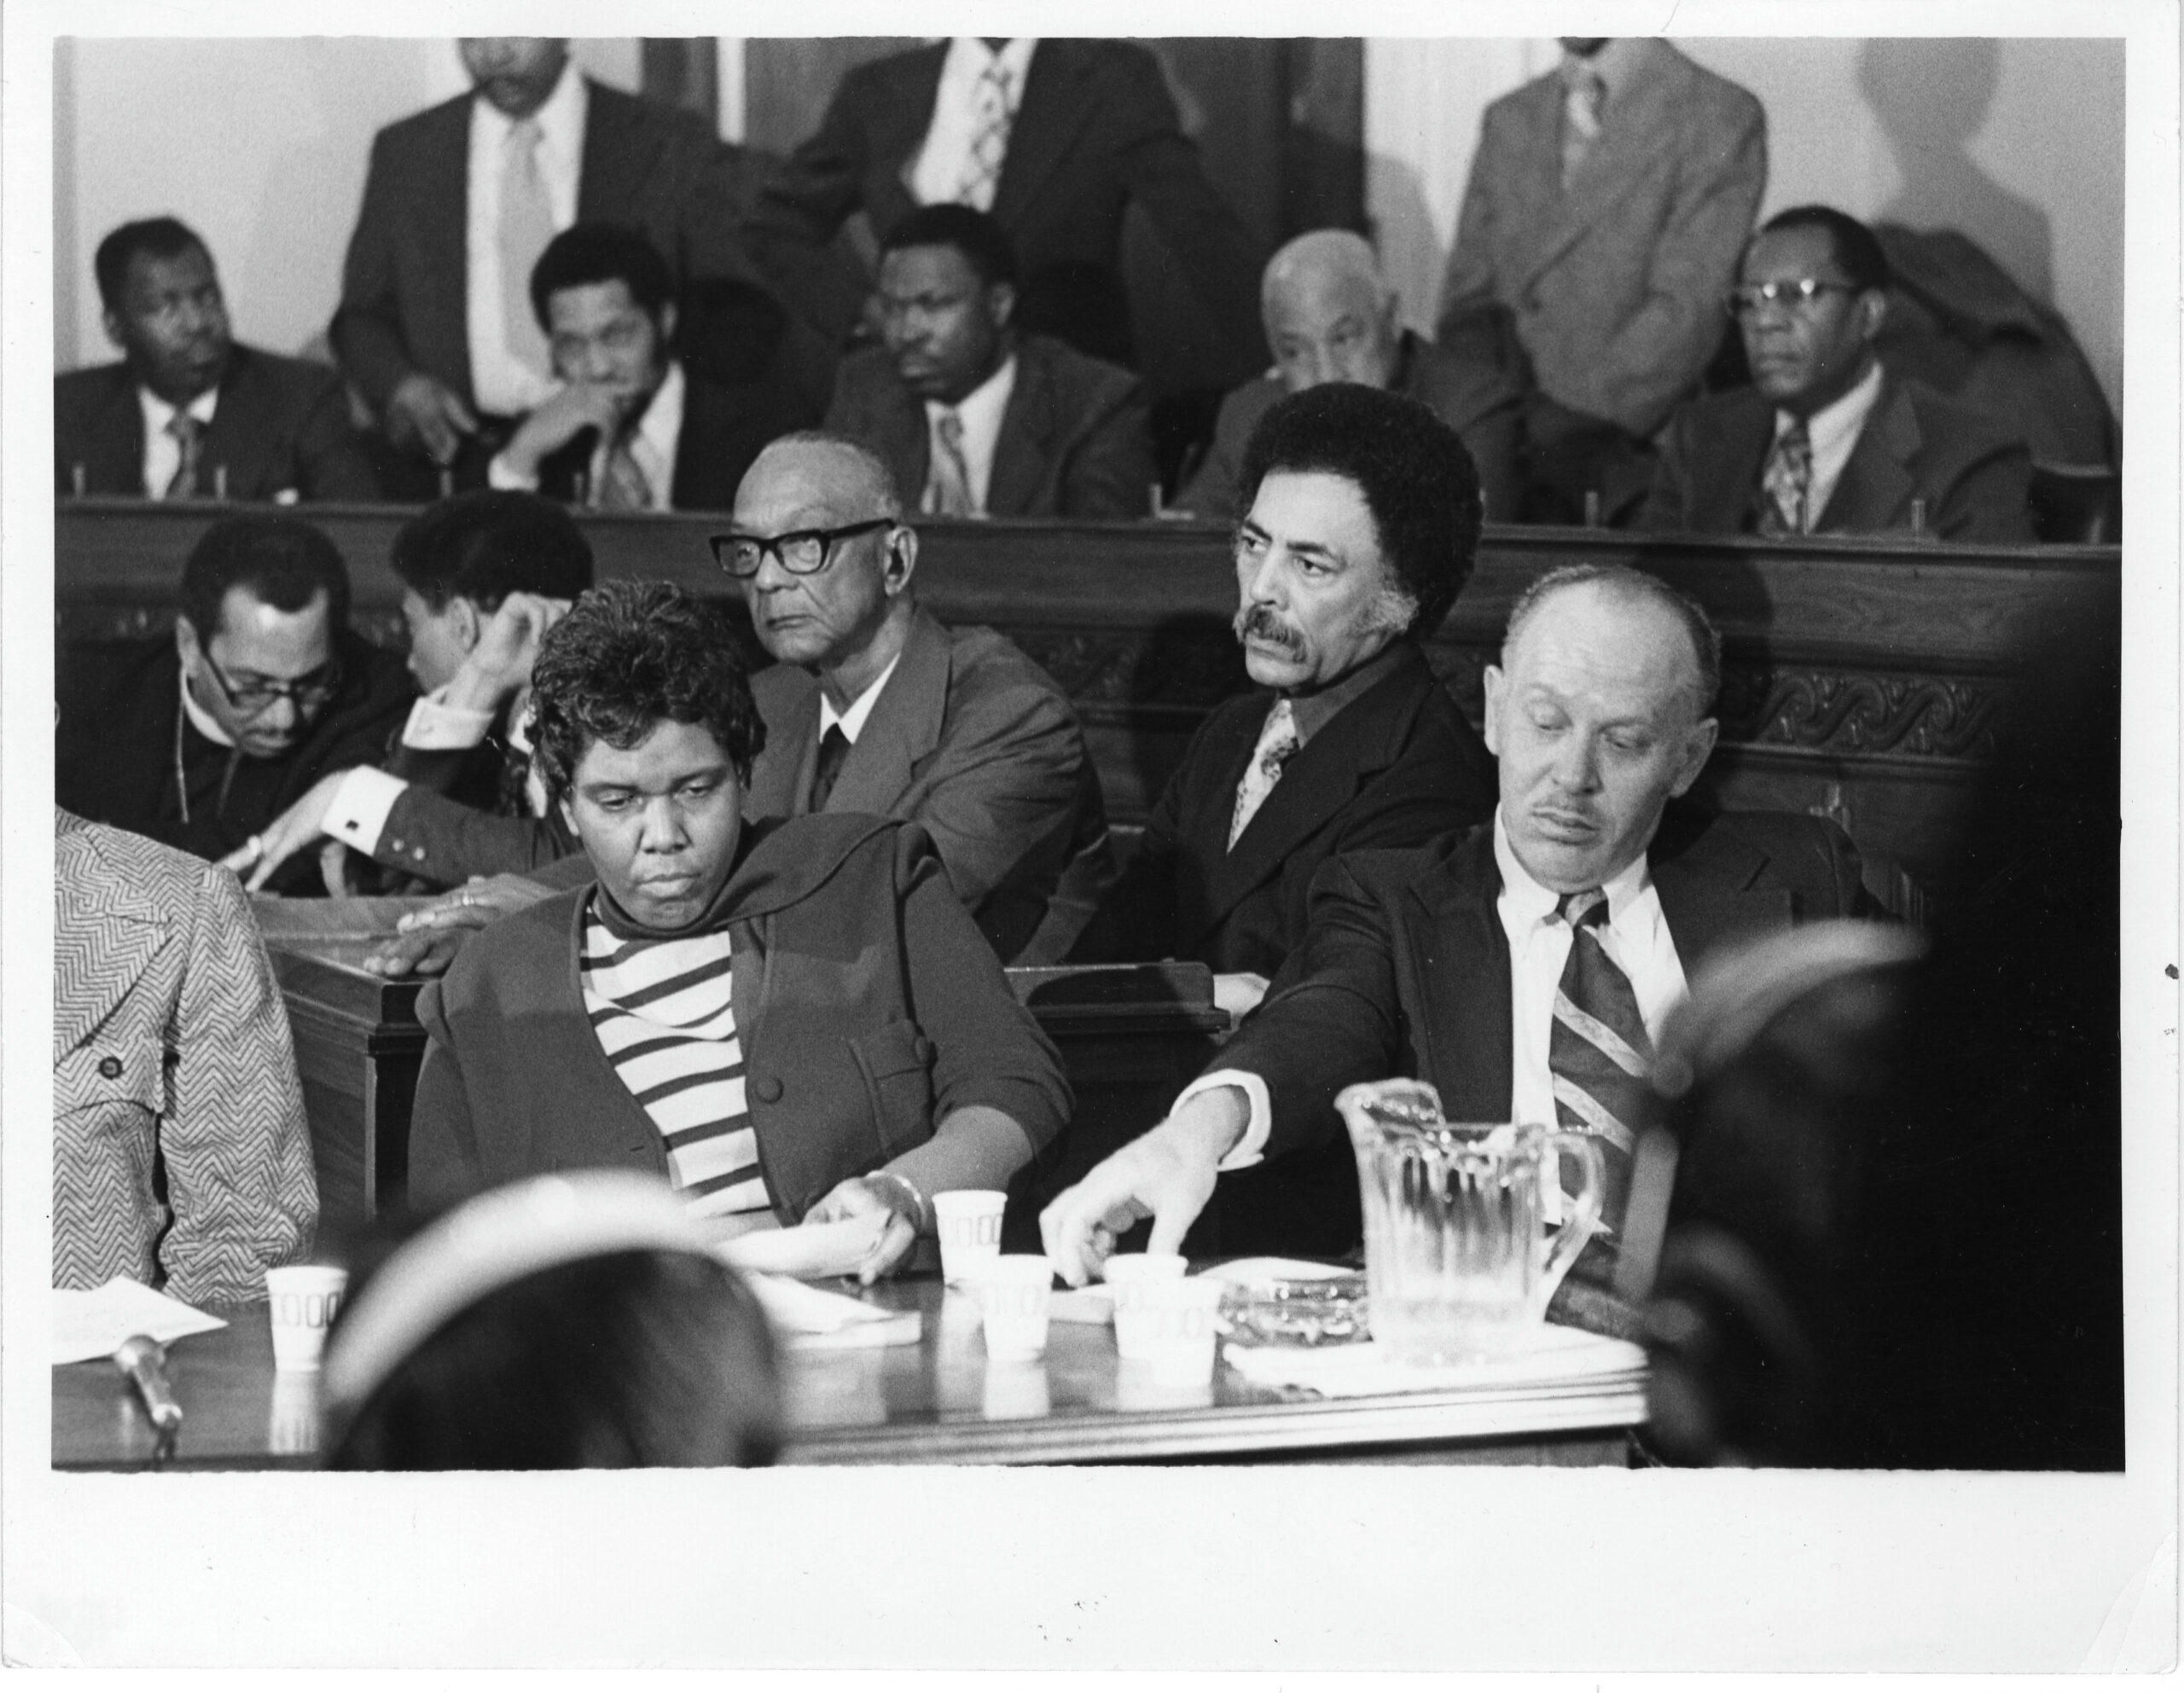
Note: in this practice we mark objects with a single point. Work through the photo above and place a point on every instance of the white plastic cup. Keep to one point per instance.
(1171, 1328)
(1133, 1275)
(1014, 1291)
(304, 1300)
(968, 1222)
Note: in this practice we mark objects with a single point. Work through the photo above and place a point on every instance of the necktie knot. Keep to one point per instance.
(1583, 909)
(833, 753)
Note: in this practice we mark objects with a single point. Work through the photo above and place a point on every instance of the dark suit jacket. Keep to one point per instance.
(1481, 399)
(404, 284)
(113, 757)
(1396, 766)
(723, 428)
(1096, 131)
(281, 424)
(867, 1008)
(1617, 285)
(1405, 968)
(1972, 476)
(1074, 438)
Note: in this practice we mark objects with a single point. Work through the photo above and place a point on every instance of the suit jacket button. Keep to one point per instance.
(417, 852)
(767, 1088)
(110, 1067)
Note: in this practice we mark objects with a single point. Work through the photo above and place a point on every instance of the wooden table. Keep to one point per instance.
(936, 1402)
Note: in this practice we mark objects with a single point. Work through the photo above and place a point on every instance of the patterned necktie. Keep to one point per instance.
(1278, 740)
(833, 753)
(189, 435)
(1599, 1052)
(623, 484)
(527, 225)
(948, 488)
(990, 122)
(1788, 482)
(1581, 115)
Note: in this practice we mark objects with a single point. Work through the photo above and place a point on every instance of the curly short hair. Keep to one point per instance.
(489, 543)
(1415, 474)
(628, 656)
(978, 236)
(150, 238)
(282, 561)
(588, 253)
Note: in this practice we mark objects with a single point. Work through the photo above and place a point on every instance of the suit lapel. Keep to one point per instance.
(99, 950)
(1731, 464)
(780, 781)
(1456, 960)
(237, 441)
(899, 119)
(1876, 487)
(1022, 451)
(1620, 156)
(1054, 108)
(1707, 895)
(903, 728)
(615, 161)
(116, 443)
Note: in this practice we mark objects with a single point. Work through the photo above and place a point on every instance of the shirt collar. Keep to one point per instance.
(968, 56)
(560, 120)
(661, 426)
(1835, 426)
(1535, 903)
(157, 413)
(852, 720)
(1617, 64)
(1313, 711)
(981, 409)
(201, 720)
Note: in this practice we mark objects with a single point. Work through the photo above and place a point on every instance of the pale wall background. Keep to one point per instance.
(262, 144)
(2019, 143)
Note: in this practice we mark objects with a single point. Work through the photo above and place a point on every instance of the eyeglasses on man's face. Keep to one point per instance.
(802, 552)
(1797, 295)
(253, 694)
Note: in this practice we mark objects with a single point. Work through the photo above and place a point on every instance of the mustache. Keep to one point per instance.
(1267, 625)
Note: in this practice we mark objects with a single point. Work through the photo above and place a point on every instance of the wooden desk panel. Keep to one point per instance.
(1864, 678)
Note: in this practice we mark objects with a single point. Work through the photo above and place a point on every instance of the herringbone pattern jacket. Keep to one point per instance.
(170, 1047)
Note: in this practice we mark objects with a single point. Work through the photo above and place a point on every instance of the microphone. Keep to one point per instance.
(143, 1360)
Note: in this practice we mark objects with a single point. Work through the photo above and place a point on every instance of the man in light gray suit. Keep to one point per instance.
(1608, 204)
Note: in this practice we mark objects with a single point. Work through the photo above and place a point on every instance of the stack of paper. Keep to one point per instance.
(94, 1324)
(809, 1317)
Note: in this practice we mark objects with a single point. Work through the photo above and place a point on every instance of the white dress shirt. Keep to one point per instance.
(981, 412)
(1635, 936)
(500, 382)
(162, 452)
(937, 170)
(356, 812)
(852, 721)
(1833, 432)
(653, 444)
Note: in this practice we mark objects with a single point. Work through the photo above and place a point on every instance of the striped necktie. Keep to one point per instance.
(1787, 481)
(948, 488)
(623, 484)
(1599, 1052)
(990, 125)
(1278, 743)
(1584, 93)
(189, 435)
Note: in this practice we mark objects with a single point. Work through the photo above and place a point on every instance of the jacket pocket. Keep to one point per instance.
(895, 1061)
(100, 1077)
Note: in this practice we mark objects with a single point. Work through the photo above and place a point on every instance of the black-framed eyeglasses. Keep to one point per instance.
(803, 552)
(1795, 296)
(307, 693)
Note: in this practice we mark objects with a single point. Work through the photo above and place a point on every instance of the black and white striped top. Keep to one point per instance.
(662, 1011)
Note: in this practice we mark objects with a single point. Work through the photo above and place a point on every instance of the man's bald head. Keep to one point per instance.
(1330, 316)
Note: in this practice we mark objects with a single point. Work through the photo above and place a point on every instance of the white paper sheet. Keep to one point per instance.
(812, 1250)
(94, 1323)
(807, 1317)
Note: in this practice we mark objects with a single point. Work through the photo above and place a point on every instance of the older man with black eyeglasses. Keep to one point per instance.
(201, 738)
(873, 706)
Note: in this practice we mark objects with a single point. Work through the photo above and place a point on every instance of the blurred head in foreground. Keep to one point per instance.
(564, 1322)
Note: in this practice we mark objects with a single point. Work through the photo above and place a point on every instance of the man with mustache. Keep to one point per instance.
(1523, 969)
(189, 413)
(1362, 520)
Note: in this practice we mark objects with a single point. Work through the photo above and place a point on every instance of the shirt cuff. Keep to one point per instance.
(500, 474)
(434, 727)
(1246, 1152)
(358, 812)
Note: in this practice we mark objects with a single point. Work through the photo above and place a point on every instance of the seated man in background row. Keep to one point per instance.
(189, 413)
(793, 1021)
(1331, 316)
(874, 707)
(180, 1157)
(484, 575)
(1524, 968)
(1363, 520)
(203, 738)
(632, 428)
(1825, 441)
(984, 421)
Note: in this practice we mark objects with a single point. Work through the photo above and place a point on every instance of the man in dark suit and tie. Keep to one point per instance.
(632, 426)
(435, 326)
(1522, 969)
(1054, 137)
(1605, 208)
(1826, 441)
(983, 420)
(189, 413)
